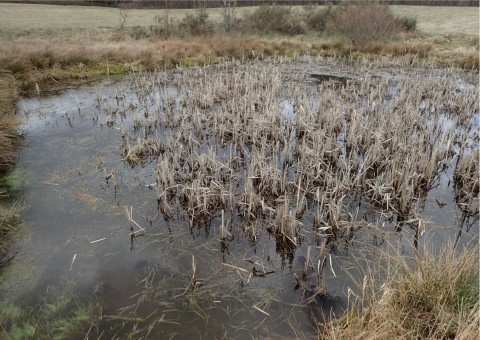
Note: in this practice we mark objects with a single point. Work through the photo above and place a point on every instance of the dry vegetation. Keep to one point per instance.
(362, 23)
(225, 143)
(430, 296)
(251, 148)
(8, 121)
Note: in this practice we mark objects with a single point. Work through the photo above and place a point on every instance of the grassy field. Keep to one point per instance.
(24, 17)
(17, 18)
(442, 20)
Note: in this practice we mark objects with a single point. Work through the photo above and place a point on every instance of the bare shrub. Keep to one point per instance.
(164, 25)
(197, 24)
(123, 16)
(229, 14)
(474, 42)
(364, 22)
(281, 19)
(317, 19)
(139, 32)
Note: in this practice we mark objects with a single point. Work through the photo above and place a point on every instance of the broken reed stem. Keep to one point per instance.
(131, 222)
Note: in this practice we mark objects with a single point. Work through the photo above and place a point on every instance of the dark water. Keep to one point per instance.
(77, 235)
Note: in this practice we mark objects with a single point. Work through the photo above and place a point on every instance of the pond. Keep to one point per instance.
(233, 200)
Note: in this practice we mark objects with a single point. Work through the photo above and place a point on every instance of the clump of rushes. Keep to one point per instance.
(222, 141)
(429, 296)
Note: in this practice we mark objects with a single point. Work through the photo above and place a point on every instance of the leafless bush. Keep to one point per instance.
(317, 19)
(229, 14)
(275, 18)
(123, 15)
(361, 23)
(165, 26)
(197, 24)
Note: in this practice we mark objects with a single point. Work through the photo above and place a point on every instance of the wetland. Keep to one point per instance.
(234, 200)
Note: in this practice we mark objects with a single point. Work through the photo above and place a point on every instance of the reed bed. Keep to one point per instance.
(257, 143)
(261, 150)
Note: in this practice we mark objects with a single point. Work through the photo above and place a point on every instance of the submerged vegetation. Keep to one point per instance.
(59, 316)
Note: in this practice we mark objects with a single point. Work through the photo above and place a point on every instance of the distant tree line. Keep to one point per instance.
(238, 3)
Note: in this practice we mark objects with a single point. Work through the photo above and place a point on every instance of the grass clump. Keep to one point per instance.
(432, 296)
(9, 142)
(10, 217)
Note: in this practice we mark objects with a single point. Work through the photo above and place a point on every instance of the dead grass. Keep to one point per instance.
(45, 42)
(9, 137)
(429, 296)
(248, 161)
(390, 163)
(44, 61)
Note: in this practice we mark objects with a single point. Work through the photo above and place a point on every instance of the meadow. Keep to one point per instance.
(20, 18)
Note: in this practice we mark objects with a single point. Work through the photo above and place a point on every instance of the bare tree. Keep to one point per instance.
(229, 13)
(123, 15)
